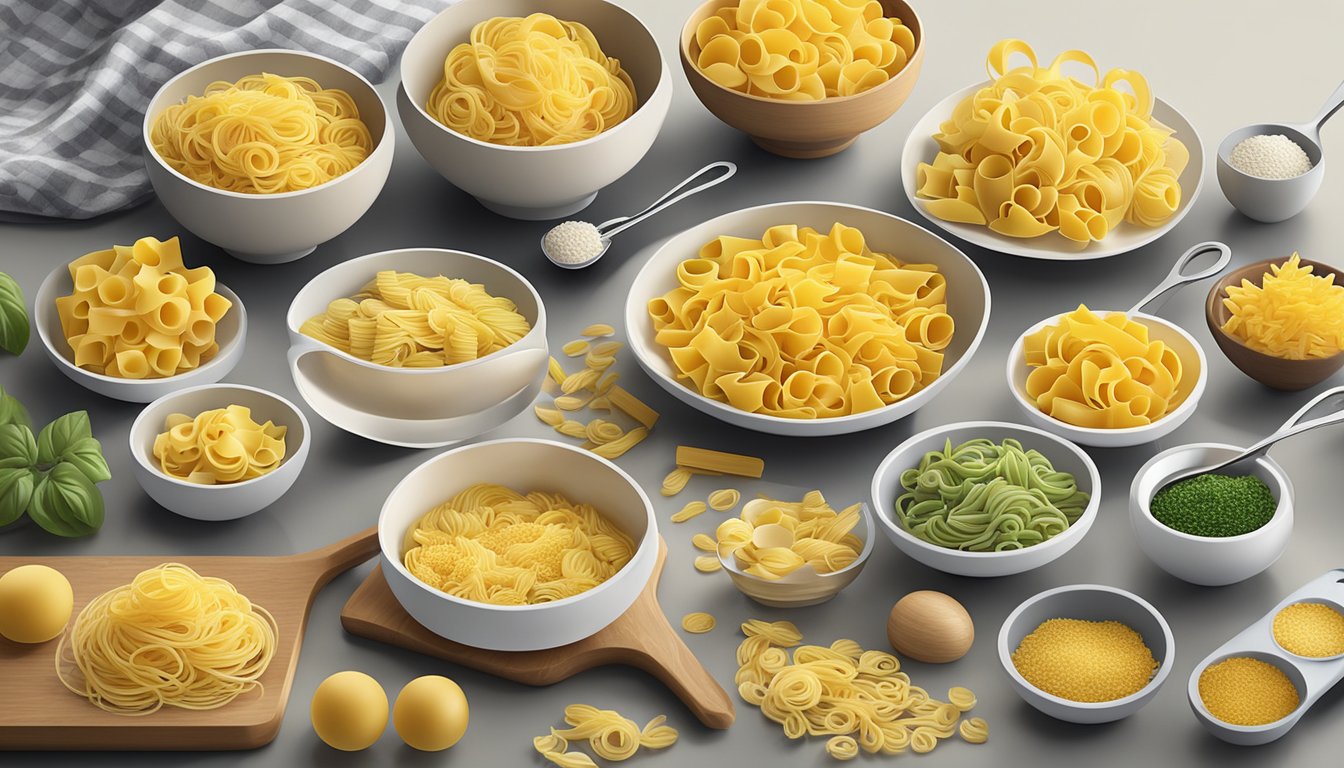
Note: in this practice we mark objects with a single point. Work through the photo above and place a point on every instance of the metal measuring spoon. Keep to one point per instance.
(598, 237)
(1271, 200)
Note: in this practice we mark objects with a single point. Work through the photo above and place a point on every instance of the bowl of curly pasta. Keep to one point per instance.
(806, 318)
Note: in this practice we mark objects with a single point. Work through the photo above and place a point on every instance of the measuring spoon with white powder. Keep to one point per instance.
(579, 244)
(1262, 168)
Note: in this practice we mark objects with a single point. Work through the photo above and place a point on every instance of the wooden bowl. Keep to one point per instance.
(804, 129)
(1276, 372)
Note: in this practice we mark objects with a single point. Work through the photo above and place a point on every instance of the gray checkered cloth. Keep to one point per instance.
(76, 76)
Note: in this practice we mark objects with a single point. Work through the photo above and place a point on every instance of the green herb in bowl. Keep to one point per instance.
(1215, 506)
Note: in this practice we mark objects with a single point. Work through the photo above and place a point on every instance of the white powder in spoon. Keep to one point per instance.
(573, 242)
(1269, 157)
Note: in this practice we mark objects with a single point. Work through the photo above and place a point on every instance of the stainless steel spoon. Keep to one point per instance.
(607, 229)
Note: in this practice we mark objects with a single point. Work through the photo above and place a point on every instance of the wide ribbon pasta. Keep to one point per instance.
(802, 50)
(1101, 372)
(1037, 151)
(222, 445)
(804, 325)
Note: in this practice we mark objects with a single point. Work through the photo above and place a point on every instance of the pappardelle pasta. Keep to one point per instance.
(219, 446)
(533, 82)
(802, 324)
(802, 50)
(137, 313)
(1037, 151)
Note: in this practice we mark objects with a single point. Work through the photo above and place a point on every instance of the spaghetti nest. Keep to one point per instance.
(264, 134)
(531, 82)
(169, 638)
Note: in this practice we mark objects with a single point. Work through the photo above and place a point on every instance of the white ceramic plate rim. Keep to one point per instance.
(1076, 529)
(644, 354)
(1284, 504)
(920, 147)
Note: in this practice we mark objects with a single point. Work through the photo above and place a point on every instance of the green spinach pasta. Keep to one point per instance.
(985, 497)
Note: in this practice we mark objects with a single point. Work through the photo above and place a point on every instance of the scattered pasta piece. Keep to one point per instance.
(608, 381)
(572, 402)
(592, 388)
(974, 730)
(961, 698)
(610, 735)
(549, 416)
(842, 748)
(719, 462)
(724, 499)
(675, 481)
(598, 330)
(697, 623)
(599, 403)
(707, 563)
(584, 379)
(771, 539)
(555, 371)
(607, 348)
(704, 542)
(1292, 314)
(600, 432)
(632, 406)
(692, 509)
(618, 447)
(575, 348)
(572, 428)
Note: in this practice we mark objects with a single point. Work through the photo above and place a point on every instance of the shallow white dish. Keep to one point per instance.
(968, 303)
(535, 182)
(523, 465)
(230, 334)
(921, 148)
(1064, 455)
(225, 501)
(281, 227)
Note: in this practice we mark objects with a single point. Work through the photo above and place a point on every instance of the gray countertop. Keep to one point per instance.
(1223, 65)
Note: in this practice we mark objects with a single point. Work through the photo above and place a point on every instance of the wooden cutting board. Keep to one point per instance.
(40, 713)
(641, 638)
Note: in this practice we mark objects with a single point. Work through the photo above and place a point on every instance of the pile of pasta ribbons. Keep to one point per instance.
(1037, 151)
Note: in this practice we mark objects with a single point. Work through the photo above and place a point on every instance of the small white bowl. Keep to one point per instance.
(1207, 560)
(522, 465)
(1270, 200)
(1089, 602)
(535, 182)
(1293, 667)
(1194, 378)
(418, 407)
(968, 304)
(1064, 455)
(227, 501)
(281, 227)
(230, 334)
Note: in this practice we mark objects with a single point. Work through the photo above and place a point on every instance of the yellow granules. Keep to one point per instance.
(1246, 691)
(1087, 661)
(1314, 630)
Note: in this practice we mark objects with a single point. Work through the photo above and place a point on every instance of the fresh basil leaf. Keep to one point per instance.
(86, 455)
(16, 489)
(18, 449)
(14, 328)
(57, 437)
(66, 503)
(12, 411)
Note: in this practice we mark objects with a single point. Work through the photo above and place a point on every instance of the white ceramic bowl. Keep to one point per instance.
(418, 407)
(227, 501)
(1194, 378)
(523, 465)
(968, 303)
(1089, 602)
(274, 228)
(230, 334)
(1270, 200)
(535, 182)
(1202, 559)
(921, 148)
(1064, 455)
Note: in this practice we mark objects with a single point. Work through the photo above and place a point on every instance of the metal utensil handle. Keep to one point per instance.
(1295, 426)
(1332, 105)
(1177, 277)
(669, 199)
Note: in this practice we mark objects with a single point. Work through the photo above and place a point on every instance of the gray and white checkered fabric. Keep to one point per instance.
(76, 75)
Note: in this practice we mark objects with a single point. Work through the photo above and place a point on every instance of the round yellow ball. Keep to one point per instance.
(35, 604)
(349, 711)
(431, 713)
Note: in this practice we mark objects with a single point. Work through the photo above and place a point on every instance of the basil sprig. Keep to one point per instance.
(52, 477)
(13, 316)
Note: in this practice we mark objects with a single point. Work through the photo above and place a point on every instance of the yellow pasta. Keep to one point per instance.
(697, 623)
(675, 481)
(692, 509)
(219, 446)
(961, 698)
(802, 50)
(137, 313)
(555, 372)
(534, 81)
(550, 416)
(842, 748)
(707, 564)
(598, 330)
(264, 134)
(618, 447)
(575, 348)
(704, 542)
(1293, 314)
(772, 539)
(572, 402)
(804, 325)
(1037, 151)
(490, 544)
(610, 735)
(724, 499)
(572, 428)
(1101, 372)
(404, 320)
(593, 387)
(974, 730)
(719, 462)
(632, 406)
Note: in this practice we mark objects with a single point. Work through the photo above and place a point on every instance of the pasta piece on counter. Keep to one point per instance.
(632, 406)
(974, 730)
(707, 563)
(697, 623)
(609, 734)
(575, 348)
(675, 481)
(692, 509)
(704, 542)
(719, 462)
(598, 330)
(724, 499)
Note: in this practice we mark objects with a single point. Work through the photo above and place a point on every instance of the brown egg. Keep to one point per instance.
(931, 627)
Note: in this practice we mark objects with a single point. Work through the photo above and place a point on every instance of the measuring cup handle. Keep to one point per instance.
(1332, 106)
(1337, 408)
(301, 346)
(1177, 277)
(669, 199)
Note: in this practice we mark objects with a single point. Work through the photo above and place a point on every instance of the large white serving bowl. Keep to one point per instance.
(280, 227)
(967, 292)
(225, 501)
(1064, 455)
(522, 465)
(418, 407)
(921, 148)
(535, 182)
(230, 334)
(1194, 378)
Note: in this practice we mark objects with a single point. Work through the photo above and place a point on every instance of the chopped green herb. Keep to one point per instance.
(1216, 506)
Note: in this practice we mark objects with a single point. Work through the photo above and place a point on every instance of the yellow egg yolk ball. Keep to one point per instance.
(35, 604)
(430, 713)
(349, 711)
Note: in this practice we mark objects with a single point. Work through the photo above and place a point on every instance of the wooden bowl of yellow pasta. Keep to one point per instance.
(811, 107)
(218, 451)
(1280, 320)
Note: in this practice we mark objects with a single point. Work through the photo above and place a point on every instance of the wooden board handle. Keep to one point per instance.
(667, 658)
(339, 557)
